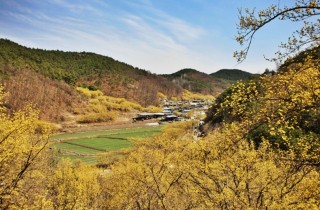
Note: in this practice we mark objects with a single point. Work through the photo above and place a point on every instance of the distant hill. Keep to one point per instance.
(233, 75)
(47, 78)
(197, 81)
(214, 83)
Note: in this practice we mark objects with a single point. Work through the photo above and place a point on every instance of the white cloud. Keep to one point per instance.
(75, 7)
(180, 29)
(147, 34)
(143, 35)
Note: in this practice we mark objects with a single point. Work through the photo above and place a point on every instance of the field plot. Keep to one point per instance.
(87, 145)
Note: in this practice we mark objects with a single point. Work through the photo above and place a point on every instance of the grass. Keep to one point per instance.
(76, 148)
(104, 143)
(86, 159)
(138, 131)
(85, 146)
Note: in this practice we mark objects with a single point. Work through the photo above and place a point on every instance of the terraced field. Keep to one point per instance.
(87, 145)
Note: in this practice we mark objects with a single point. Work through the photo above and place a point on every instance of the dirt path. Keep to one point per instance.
(105, 126)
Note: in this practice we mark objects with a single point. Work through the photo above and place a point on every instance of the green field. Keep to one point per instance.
(87, 145)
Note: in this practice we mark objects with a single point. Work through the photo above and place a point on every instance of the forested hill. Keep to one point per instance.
(196, 81)
(233, 74)
(48, 78)
(214, 83)
(67, 66)
(113, 77)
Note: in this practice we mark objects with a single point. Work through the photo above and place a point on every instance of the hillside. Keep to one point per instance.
(196, 81)
(232, 75)
(313, 54)
(84, 69)
(48, 79)
(279, 106)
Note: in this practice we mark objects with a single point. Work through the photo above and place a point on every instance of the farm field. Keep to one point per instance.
(86, 146)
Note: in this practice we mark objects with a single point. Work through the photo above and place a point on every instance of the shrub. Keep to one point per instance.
(98, 104)
(187, 95)
(153, 109)
(84, 91)
(161, 95)
(97, 108)
(89, 93)
(97, 117)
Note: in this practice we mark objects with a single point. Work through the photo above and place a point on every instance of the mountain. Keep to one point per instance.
(232, 75)
(213, 84)
(197, 81)
(47, 79)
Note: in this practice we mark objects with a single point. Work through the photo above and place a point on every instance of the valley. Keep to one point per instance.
(59, 85)
(159, 105)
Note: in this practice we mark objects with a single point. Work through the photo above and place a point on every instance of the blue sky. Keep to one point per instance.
(162, 36)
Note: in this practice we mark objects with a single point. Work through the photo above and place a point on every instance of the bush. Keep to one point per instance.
(89, 93)
(153, 109)
(97, 117)
(99, 106)
(187, 95)
(161, 95)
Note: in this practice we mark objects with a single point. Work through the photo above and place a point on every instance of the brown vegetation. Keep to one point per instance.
(51, 97)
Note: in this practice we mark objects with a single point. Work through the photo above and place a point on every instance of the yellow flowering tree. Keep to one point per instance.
(221, 171)
(74, 185)
(264, 153)
(304, 11)
(22, 142)
(283, 109)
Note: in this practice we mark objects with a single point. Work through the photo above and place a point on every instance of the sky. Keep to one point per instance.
(161, 36)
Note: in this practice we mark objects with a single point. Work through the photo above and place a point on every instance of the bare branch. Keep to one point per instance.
(250, 22)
